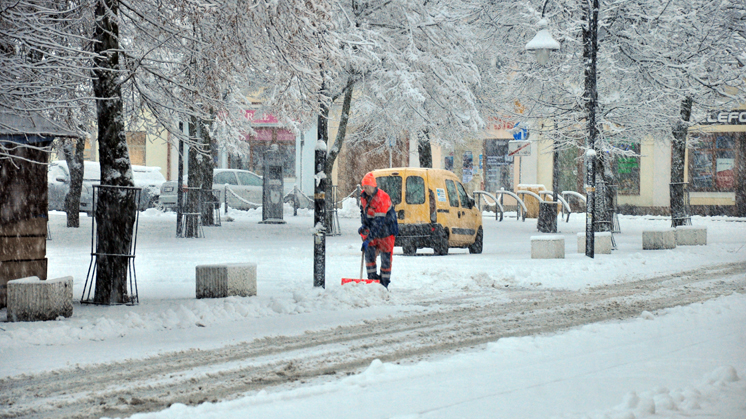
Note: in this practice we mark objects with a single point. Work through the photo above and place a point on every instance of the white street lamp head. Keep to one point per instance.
(542, 43)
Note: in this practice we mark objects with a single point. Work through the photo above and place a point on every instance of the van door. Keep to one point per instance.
(416, 208)
(453, 215)
(469, 214)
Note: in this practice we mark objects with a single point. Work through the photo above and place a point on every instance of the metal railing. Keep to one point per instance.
(498, 206)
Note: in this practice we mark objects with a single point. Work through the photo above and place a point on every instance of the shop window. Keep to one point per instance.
(468, 167)
(136, 145)
(627, 169)
(712, 163)
(497, 165)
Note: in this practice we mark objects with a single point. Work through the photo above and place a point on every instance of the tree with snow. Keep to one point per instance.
(648, 62)
(404, 68)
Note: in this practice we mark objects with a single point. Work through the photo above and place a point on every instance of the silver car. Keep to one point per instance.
(58, 184)
(58, 181)
(150, 179)
(241, 188)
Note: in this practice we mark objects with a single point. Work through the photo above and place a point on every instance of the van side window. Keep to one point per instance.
(392, 186)
(462, 194)
(415, 190)
(452, 193)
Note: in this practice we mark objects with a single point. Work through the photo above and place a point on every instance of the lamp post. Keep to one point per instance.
(542, 44)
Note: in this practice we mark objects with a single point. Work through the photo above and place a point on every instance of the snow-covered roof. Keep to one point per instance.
(30, 128)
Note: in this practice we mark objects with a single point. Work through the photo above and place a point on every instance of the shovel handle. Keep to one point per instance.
(362, 259)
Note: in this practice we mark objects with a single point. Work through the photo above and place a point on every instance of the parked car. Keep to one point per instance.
(58, 184)
(148, 178)
(242, 188)
(433, 210)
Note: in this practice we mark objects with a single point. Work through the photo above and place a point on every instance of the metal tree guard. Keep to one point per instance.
(132, 275)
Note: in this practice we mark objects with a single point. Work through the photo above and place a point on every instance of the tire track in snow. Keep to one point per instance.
(194, 376)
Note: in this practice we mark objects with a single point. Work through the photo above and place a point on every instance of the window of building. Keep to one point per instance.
(627, 169)
(711, 163)
(136, 145)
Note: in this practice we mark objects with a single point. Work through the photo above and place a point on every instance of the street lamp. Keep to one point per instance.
(542, 44)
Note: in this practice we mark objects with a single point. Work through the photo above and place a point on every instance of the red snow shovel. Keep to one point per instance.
(359, 280)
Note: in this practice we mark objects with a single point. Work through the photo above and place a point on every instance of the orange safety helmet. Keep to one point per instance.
(369, 179)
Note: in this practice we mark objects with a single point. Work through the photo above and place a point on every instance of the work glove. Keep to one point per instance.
(365, 246)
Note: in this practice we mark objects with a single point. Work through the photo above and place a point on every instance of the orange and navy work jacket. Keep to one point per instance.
(373, 212)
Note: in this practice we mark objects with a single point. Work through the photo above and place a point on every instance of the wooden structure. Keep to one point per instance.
(23, 196)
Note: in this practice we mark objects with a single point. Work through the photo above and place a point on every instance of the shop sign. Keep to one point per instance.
(734, 117)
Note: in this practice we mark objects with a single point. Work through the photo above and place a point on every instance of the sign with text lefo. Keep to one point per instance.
(519, 148)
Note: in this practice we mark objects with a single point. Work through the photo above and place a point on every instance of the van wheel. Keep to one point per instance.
(440, 243)
(476, 247)
(409, 249)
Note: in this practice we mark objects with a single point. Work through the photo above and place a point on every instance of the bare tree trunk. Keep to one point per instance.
(424, 148)
(207, 164)
(74, 159)
(194, 180)
(115, 212)
(678, 152)
(331, 156)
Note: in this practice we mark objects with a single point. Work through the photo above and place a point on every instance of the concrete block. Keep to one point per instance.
(226, 280)
(31, 299)
(659, 239)
(601, 243)
(548, 247)
(691, 236)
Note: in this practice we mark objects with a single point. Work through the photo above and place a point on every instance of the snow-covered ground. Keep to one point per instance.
(679, 362)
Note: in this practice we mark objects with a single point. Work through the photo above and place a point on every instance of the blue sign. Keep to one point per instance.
(520, 134)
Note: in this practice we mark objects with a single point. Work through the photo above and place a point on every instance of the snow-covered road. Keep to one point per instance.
(173, 349)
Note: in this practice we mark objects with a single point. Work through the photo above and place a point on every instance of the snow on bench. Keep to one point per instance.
(31, 299)
(691, 236)
(226, 280)
(658, 239)
(601, 243)
(548, 247)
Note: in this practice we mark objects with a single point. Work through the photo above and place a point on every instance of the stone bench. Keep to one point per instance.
(691, 236)
(601, 243)
(31, 299)
(548, 247)
(659, 239)
(226, 280)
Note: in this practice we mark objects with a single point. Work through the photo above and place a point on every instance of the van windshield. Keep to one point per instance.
(392, 186)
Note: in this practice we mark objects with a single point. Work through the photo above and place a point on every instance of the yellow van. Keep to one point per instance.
(433, 210)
